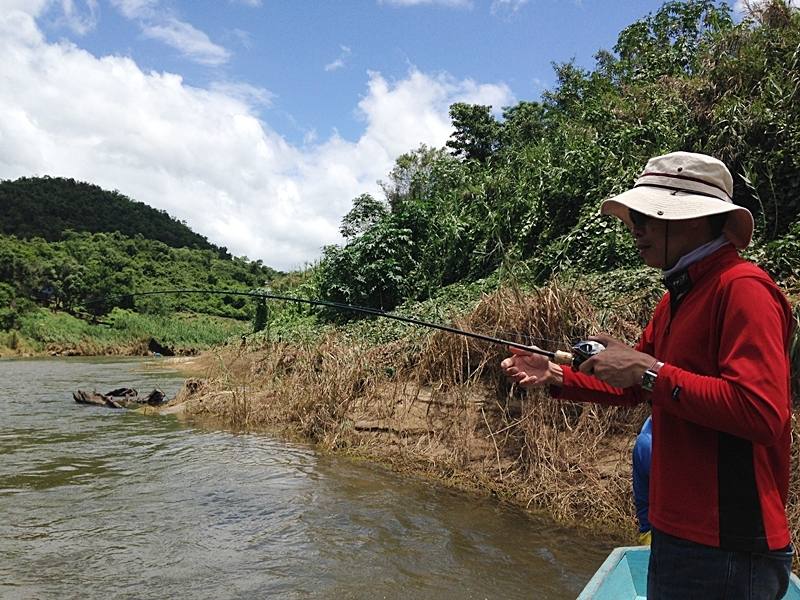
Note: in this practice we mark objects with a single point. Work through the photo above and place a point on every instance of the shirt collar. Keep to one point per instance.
(695, 255)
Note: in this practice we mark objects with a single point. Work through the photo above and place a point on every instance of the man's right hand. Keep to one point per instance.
(531, 370)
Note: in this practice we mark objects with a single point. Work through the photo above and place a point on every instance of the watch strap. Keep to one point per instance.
(650, 375)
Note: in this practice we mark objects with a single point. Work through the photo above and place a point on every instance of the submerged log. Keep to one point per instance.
(120, 398)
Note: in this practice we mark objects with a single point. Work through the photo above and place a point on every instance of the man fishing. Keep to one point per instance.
(713, 362)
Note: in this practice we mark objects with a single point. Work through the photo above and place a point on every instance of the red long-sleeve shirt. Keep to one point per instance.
(721, 407)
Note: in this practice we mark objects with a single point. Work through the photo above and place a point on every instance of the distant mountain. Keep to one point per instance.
(46, 207)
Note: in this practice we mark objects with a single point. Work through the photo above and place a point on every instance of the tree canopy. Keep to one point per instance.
(47, 207)
(526, 187)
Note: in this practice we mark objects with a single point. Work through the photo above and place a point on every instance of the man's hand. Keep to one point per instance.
(531, 370)
(618, 365)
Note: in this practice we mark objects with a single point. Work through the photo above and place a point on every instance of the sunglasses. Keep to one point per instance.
(638, 219)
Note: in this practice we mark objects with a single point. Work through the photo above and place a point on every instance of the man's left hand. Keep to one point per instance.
(618, 365)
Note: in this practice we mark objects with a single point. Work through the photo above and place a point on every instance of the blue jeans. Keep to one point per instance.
(682, 570)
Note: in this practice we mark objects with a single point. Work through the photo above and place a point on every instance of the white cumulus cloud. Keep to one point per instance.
(33, 7)
(203, 154)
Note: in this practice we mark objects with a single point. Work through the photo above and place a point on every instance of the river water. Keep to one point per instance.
(102, 503)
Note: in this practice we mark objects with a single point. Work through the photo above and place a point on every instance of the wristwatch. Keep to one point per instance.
(650, 375)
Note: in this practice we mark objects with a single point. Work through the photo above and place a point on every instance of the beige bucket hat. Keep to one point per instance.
(684, 185)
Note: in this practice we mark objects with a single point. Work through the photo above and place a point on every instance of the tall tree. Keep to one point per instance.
(366, 212)
(477, 132)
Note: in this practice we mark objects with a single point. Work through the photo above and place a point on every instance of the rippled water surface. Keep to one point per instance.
(101, 503)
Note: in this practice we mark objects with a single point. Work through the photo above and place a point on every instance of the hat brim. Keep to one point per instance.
(676, 205)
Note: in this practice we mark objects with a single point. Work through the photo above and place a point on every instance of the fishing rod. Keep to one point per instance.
(580, 351)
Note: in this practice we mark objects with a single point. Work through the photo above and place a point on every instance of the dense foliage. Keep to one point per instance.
(524, 189)
(77, 249)
(121, 332)
(48, 207)
(89, 273)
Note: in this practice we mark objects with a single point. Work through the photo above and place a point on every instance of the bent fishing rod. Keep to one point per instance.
(581, 351)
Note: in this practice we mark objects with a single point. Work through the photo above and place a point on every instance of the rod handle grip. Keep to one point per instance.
(562, 358)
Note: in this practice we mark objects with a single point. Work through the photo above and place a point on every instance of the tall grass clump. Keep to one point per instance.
(313, 391)
(560, 455)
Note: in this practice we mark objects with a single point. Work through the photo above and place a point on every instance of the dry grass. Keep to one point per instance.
(793, 504)
(444, 410)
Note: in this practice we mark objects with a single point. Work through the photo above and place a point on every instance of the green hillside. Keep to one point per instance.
(47, 207)
(70, 255)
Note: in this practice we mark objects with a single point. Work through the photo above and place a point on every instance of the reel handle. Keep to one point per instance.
(563, 358)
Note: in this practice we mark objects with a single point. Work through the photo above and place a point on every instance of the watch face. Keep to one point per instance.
(648, 380)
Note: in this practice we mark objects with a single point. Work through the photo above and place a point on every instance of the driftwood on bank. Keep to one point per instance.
(120, 398)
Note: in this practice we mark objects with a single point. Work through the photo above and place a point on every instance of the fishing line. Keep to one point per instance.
(580, 351)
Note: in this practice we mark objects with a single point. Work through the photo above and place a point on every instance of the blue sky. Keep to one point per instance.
(310, 58)
(258, 121)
